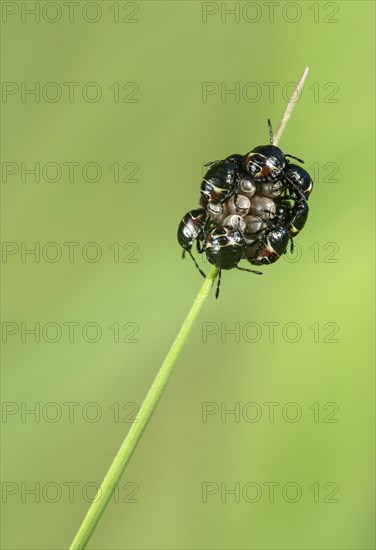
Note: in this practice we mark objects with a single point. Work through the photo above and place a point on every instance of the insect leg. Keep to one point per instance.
(218, 284)
(196, 264)
(249, 270)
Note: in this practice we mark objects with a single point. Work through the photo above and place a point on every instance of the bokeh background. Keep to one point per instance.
(124, 87)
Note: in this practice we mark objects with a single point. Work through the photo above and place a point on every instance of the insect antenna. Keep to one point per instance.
(296, 158)
(270, 131)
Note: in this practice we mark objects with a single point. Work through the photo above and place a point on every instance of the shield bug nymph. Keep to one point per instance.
(267, 163)
(191, 229)
(224, 247)
(220, 181)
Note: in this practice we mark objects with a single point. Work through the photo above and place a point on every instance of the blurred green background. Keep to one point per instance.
(127, 83)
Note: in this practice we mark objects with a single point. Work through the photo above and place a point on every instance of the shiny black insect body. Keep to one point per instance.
(269, 246)
(224, 247)
(299, 177)
(298, 217)
(293, 215)
(265, 163)
(221, 180)
(268, 164)
(191, 229)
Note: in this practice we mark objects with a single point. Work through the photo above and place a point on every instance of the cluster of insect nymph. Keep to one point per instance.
(252, 206)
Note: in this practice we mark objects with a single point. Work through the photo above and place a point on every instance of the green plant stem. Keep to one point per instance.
(157, 388)
(147, 408)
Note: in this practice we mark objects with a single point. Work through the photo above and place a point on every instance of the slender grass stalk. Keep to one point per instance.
(147, 408)
(290, 107)
(157, 388)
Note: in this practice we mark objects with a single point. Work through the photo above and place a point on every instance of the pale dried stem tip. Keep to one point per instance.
(290, 107)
